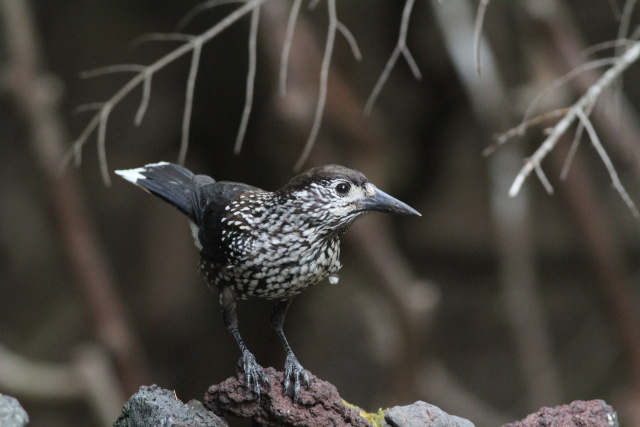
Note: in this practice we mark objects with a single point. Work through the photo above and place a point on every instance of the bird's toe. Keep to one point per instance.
(294, 376)
(253, 373)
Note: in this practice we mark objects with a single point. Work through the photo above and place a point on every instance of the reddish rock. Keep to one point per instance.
(592, 413)
(319, 405)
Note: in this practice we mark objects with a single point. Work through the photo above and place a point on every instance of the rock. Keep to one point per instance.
(592, 413)
(319, 405)
(153, 406)
(11, 412)
(422, 414)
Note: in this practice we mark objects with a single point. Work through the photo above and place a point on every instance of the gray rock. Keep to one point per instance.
(422, 414)
(153, 406)
(11, 412)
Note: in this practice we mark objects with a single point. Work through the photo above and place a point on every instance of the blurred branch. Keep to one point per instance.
(588, 214)
(89, 378)
(36, 94)
(620, 126)
(517, 273)
(38, 380)
(477, 33)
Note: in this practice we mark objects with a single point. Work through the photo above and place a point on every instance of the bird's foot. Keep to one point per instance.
(253, 373)
(294, 374)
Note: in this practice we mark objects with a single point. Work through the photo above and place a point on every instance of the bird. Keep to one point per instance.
(267, 244)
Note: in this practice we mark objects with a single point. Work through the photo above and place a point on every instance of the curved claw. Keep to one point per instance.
(293, 370)
(253, 373)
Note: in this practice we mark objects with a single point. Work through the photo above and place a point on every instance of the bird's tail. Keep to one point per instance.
(173, 183)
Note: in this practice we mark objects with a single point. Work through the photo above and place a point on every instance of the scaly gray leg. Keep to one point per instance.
(253, 372)
(293, 370)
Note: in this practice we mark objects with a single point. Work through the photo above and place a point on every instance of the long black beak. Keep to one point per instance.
(382, 202)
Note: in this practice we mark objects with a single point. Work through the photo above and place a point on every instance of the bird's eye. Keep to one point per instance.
(343, 188)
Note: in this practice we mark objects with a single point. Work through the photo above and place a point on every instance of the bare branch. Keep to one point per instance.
(324, 80)
(121, 68)
(589, 98)
(144, 102)
(251, 78)
(353, 44)
(161, 37)
(102, 136)
(566, 79)
(593, 136)
(615, 8)
(543, 179)
(606, 45)
(400, 48)
(201, 8)
(625, 23)
(188, 102)
(477, 33)
(413, 66)
(520, 130)
(90, 106)
(191, 46)
(286, 46)
(313, 4)
(574, 146)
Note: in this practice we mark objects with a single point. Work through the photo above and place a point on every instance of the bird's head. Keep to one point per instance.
(334, 196)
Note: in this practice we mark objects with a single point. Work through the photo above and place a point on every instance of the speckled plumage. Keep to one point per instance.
(270, 247)
(265, 244)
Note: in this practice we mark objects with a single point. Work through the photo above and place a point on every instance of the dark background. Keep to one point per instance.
(487, 306)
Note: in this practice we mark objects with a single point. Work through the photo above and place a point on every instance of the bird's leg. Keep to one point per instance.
(293, 370)
(253, 372)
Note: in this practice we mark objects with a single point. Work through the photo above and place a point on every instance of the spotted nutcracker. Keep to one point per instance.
(267, 244)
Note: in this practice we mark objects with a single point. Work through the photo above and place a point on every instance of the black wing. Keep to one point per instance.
(213, 199)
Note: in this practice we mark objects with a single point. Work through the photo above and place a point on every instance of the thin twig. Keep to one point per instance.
(313, 4)
(188, 102)
(89, 106)
(625, 23)
(201, 8)
(102, 136)
(324, 81)
(566, 78)
(590, 97)
(615, 8)
(120, 68)
(477, 33)
(544, 180)
(615, 180)
(606, 45)
(401, 48)
(251, 78)
(286, 46)
(574, 146)
(353, 44)
(161, 37)
(144, 101)
(151, 69)
(520, 130)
